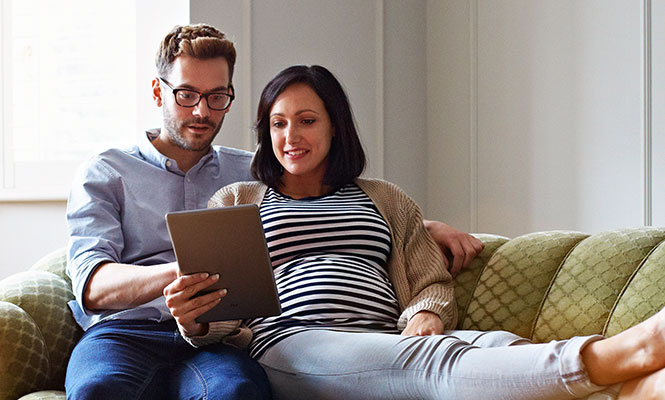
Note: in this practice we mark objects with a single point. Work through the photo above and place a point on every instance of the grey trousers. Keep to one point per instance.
(323, 364)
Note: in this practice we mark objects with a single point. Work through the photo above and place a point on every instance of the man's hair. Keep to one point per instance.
(198, 41)
(346, 158)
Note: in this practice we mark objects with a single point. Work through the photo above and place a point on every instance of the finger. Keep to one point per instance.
(189, 285)
(446, 263)
(190, 316)
(469, 254)
(458, 261)
(478, 244)
(187, 280)
(180, 307)
(472, 247)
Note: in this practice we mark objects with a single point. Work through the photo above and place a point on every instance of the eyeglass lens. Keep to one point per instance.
(190, 98)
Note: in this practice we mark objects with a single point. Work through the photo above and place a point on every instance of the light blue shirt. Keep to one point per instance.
(116, 211)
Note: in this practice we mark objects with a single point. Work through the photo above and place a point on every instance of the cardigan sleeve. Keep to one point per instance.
(430, 286)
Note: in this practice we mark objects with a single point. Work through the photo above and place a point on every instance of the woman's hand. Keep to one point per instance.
(423, 323)
(186, 309)
(458, 248)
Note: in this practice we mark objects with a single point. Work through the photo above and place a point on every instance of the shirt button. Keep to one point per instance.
(189, 180)
(168, 163)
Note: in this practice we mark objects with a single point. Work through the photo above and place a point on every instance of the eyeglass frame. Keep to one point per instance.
(201, 95)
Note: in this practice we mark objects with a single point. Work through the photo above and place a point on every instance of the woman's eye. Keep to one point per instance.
(308, 121)
(277, 124)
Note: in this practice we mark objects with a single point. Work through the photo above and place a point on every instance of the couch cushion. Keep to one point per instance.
(44, 296)
(643, 296)
(589, 282)
(515, 280)
(23, 357)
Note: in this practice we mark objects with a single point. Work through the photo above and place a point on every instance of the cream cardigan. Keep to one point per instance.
(415, 266)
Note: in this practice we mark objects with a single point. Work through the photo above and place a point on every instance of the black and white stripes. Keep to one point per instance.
(328, 255)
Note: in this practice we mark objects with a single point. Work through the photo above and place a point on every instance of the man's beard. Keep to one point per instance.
(175, 131)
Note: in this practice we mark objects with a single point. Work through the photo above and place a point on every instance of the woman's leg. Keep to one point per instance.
(333, 365)
(632, 353)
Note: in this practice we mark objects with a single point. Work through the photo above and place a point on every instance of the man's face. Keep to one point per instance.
(194, 128)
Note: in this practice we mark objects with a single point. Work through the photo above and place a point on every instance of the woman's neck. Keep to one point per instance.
(302, 188)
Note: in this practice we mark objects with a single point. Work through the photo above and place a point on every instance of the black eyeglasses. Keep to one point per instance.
(190, 98)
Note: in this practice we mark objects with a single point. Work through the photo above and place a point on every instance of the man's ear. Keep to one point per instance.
(156, 92)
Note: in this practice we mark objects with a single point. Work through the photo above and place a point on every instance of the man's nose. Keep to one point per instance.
(202, 108)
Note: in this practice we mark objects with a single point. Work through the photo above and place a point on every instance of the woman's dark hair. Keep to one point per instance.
(346, 158)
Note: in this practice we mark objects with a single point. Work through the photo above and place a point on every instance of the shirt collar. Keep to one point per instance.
(154, 157)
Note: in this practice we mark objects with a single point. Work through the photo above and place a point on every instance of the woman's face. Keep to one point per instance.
(301, 133)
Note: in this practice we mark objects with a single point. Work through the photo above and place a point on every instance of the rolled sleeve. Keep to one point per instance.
(93, 219)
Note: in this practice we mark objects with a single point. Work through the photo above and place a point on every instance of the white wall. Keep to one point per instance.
(539, 105)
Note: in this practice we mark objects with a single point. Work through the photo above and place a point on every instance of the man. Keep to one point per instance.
(120, 256)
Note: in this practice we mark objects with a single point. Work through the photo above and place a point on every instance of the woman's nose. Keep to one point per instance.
(292, 134)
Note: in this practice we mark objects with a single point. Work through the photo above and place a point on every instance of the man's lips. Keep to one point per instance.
(199, 128)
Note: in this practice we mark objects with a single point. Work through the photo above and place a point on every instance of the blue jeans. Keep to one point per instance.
(129, 360)
(469, 365)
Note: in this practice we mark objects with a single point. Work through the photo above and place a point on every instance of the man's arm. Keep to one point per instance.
(116, 286)
(458, 248)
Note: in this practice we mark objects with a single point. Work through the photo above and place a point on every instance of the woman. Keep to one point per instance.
(355, 267)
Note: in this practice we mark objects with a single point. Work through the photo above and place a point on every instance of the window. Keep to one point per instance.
(75, 80)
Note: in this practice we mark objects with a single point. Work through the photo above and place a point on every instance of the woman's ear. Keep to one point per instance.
(156, 92)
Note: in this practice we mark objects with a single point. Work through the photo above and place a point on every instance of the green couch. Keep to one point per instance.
(544, 286)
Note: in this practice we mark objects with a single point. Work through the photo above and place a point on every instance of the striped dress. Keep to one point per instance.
(328, 254)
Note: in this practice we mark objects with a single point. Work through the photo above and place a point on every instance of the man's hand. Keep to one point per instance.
(186, 309)
(458, 248)
(423, 323)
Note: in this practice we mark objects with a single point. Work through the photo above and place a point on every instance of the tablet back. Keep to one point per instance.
(228, 241)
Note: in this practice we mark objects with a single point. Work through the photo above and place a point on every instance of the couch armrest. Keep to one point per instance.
(37, 330)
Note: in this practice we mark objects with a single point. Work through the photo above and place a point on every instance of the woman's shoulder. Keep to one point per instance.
(238, 193)
(375, 186)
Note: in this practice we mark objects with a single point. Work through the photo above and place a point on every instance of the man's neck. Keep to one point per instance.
(185, 159)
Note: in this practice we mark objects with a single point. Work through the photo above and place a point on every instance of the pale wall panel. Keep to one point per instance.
(559, 97)
(534, 115)
(658, 111)
(449, 118)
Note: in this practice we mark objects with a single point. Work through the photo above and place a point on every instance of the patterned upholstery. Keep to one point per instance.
(543, 286)
(510, 290)
(590, 280)
(33, 307)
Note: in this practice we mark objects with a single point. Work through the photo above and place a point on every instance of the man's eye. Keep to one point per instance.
(217, 97)
(186, 95)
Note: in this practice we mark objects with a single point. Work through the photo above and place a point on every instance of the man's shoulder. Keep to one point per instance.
(233, 152)
(112, 158)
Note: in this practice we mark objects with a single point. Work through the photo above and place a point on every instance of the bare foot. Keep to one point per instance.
(650, 387)
(633, 353)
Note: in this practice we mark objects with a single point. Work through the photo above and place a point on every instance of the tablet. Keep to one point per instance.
(228, 241)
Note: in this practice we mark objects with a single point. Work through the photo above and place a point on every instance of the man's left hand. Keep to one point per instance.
(458, 248)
